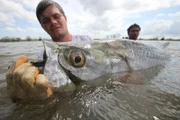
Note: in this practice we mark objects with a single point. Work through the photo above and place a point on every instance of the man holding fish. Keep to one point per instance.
(68, 64)
(23, 79)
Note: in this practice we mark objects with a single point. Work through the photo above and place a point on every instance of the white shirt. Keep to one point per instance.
(75, 38)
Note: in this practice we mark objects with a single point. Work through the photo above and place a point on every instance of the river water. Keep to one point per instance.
(158, 99)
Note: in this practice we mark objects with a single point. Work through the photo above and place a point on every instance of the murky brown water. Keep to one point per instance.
(158, 99)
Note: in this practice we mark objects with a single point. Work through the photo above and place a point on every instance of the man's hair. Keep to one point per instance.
(133, 25)
(43, 5)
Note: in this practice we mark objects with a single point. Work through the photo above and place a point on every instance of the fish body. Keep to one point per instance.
(71, 63)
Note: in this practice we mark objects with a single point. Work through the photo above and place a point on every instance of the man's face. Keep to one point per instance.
(54, 23)
(133, 33)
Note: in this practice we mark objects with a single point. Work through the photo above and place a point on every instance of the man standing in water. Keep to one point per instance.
(54, 21)
(133, 31)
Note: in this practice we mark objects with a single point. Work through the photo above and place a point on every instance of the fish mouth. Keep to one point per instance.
(40, 65)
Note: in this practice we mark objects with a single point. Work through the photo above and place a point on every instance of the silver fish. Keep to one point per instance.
(70, 63)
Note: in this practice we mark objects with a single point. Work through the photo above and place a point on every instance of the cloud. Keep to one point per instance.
(97, 18)
(97, 7)
(156, 28)
(31, 4)
(176, 15)
(12, 9)
(162, 27)
(24, 32)
(6, 20)
(160, 15)
(174, 30)
(100, 7)
(110, 16)
(134, 6)
(16, 29)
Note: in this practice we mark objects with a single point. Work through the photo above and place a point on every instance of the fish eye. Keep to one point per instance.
(77, 58)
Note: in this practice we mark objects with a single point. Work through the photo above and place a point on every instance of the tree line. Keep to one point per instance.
(118, 36)
(113, 36)
(17, 39)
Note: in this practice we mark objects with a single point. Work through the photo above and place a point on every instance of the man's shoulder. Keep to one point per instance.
(81, 38)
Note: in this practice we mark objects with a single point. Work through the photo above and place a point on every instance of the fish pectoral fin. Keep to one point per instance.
(131, 78)
(127, 62)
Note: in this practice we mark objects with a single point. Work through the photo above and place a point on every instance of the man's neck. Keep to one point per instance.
(65, 38)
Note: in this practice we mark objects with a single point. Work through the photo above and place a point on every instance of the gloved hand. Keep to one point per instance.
(24, 81)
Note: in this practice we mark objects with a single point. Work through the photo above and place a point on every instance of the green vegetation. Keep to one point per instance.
(160, 39)
(152, 39)
(114, 36)
(9, 39)
(118, 36)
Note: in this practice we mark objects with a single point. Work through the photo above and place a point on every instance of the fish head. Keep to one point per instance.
(69, 63)
(81, 64)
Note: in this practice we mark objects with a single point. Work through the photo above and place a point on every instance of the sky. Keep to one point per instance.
(96, 18)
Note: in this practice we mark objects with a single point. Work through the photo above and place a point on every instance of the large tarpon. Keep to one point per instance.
(69, 63)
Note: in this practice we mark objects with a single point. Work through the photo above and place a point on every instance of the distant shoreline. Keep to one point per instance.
(22, 41)
(94, 39)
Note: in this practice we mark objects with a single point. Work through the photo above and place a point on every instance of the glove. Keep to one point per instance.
(24, 81)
